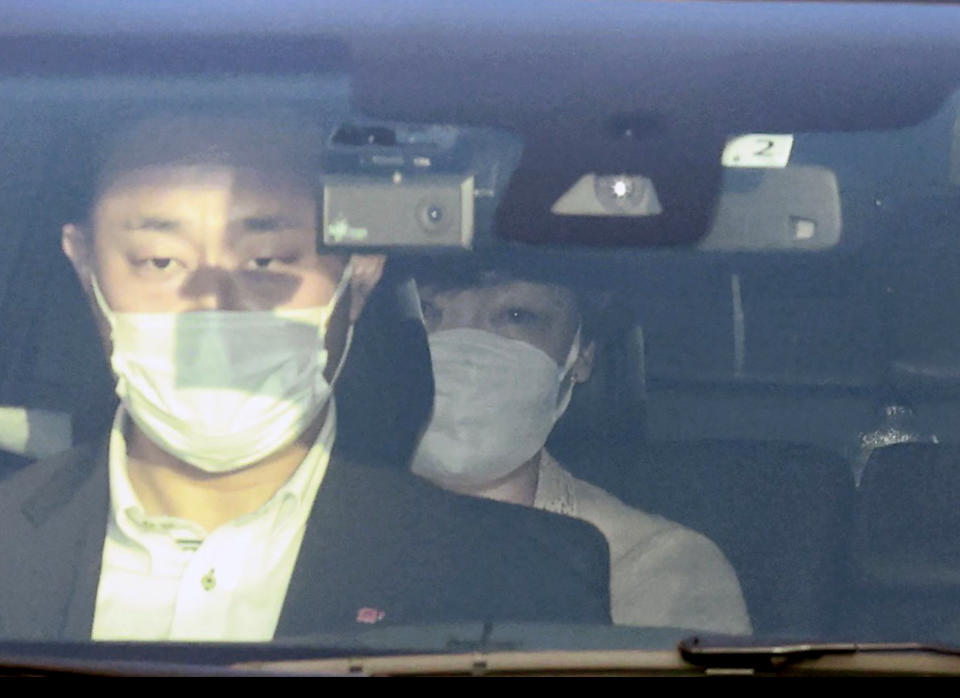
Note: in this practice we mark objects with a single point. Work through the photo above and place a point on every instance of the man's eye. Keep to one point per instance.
(156, 265)
(151, 264)
(270, 262)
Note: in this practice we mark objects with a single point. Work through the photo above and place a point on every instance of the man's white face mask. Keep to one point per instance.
(496, 402)
(223, 389)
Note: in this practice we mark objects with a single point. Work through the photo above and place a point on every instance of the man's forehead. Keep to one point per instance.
(275, 147)
(168, 176)
(160, 179)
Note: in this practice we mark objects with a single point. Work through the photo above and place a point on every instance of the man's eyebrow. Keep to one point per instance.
(155, 223)
(266, 224)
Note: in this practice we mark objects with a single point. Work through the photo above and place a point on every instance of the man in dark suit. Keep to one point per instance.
(220, 507)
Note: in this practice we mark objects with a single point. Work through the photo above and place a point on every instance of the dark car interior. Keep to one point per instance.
(800, 411)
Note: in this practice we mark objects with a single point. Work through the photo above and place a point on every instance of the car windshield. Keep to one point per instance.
(519, 325)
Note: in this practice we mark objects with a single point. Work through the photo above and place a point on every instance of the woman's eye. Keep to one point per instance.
(520, 315)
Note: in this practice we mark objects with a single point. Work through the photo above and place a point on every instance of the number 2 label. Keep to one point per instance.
(758, 150)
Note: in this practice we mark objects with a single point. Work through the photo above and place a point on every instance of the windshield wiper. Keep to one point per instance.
(483, 649)
(724, 653)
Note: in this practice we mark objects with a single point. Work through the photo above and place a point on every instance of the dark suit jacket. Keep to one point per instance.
(377, 539)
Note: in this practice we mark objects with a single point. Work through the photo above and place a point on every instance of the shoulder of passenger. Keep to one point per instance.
(632, 531)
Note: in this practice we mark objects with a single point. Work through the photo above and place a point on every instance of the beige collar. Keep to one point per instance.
(555, 487)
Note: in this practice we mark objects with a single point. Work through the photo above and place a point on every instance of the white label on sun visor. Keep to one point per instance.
(758, 150)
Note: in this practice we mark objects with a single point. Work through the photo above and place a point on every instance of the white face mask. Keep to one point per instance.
(496, 402)
(223, 389)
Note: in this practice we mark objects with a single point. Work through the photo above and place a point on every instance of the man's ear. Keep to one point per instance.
(583, 366)
(367, 270)
(77, 245)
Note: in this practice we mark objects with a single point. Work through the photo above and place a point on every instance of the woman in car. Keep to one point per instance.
(509, 341)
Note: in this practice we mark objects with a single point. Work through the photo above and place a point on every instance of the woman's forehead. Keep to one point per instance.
(491, 289)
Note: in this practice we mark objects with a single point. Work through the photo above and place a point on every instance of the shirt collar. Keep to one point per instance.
(555, 487)
(294, 498)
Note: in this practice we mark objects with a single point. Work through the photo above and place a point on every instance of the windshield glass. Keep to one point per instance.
(596, 328)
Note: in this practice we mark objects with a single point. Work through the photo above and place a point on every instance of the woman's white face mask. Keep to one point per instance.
(496, 402)
(223, 389)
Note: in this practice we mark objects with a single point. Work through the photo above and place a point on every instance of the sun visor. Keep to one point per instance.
(793, 208)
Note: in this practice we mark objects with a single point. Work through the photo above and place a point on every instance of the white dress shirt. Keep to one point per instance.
(165, 578)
